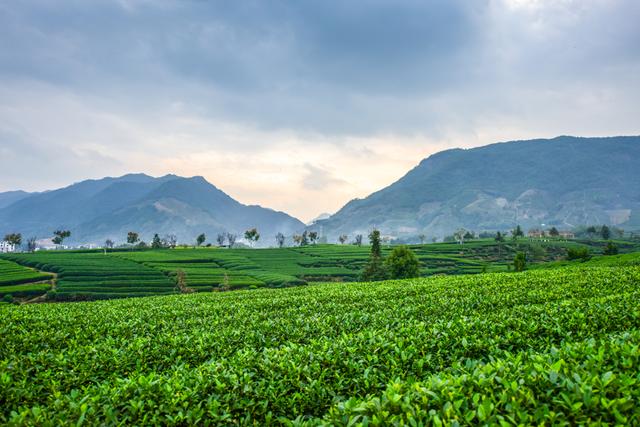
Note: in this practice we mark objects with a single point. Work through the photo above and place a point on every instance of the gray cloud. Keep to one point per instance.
(457, 72)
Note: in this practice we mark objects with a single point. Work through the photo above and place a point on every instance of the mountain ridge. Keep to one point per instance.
(107, 208)
(495, 187)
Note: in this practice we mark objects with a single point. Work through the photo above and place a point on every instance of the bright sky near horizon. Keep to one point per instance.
(301, 105)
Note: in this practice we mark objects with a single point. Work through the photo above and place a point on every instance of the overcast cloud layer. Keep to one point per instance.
(301, 105)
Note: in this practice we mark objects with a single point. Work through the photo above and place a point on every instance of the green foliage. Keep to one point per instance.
(610, 249)
(448, 350)
(375, 269)
(605, 232)
(374, 241)
(60, 235)
(252, 235)
(402, 263)
(201, 239)
(520, 262)
(517, 232)
(578, 254)
(132, 237)
(156, 243)
(14, 238)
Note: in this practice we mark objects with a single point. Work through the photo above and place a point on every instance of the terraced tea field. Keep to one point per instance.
(552, 347)
(123, 273)
(20, 281)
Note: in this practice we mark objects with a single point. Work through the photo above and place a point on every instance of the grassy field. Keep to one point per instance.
(541, 347)
(95, 275)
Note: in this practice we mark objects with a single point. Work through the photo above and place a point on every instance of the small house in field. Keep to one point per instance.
(566, 234)
(7, 247)
(535, 234)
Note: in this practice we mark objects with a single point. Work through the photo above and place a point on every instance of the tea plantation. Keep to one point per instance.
(552, 347)
(17, 280)
(83, 275)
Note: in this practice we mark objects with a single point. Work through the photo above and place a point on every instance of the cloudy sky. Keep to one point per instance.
(301, 105)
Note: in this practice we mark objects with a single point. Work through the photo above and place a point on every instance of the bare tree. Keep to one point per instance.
(31, 244)
(231, 238)
(280, 239)
(459, 235)
(181, 283)
(297, 239)
(220, 239)
(358, 240)
(422, 238)
(343, 238)
(171, 240)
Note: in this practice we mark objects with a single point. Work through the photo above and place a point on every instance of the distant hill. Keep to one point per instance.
(95, 210)
(562, 182)
(10, 197)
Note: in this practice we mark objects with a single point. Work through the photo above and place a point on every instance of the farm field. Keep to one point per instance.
(83, 275)
(17, 280)
(541, 347)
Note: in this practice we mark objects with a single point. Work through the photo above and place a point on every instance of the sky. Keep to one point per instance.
(301, 105)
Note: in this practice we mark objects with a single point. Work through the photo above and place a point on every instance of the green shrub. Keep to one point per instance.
(578, 254)
(520, 262)
(402, 263)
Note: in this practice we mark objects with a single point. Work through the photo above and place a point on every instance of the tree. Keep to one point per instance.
(31, 244)
(578, 253)
(200, 239)
(402, 263)
(605, 232)
(280, 239)
(610, 249)
(132, 237)
(171, 240)
(520, 262)
(156, 243)
(374, 240)
(313, 237)
(297, 239)
(14, 238)
(304, 238)
(108, 244)
(591, 231)
(252, 235)
(499, 237)
(375, 268)
(422, 238)
(220, 239)
(459, 235)
(231, 238)
(59, 236)
(358, 240)
(517, 232)
(343, 238)
(554, 232)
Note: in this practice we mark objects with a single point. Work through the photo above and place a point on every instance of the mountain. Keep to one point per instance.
(563, 182)
(108, 208)
(10, 197)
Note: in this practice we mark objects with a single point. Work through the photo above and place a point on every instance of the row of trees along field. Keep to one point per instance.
(16, 239)
(252, 236)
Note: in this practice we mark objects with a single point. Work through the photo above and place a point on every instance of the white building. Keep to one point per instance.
(6, 246)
